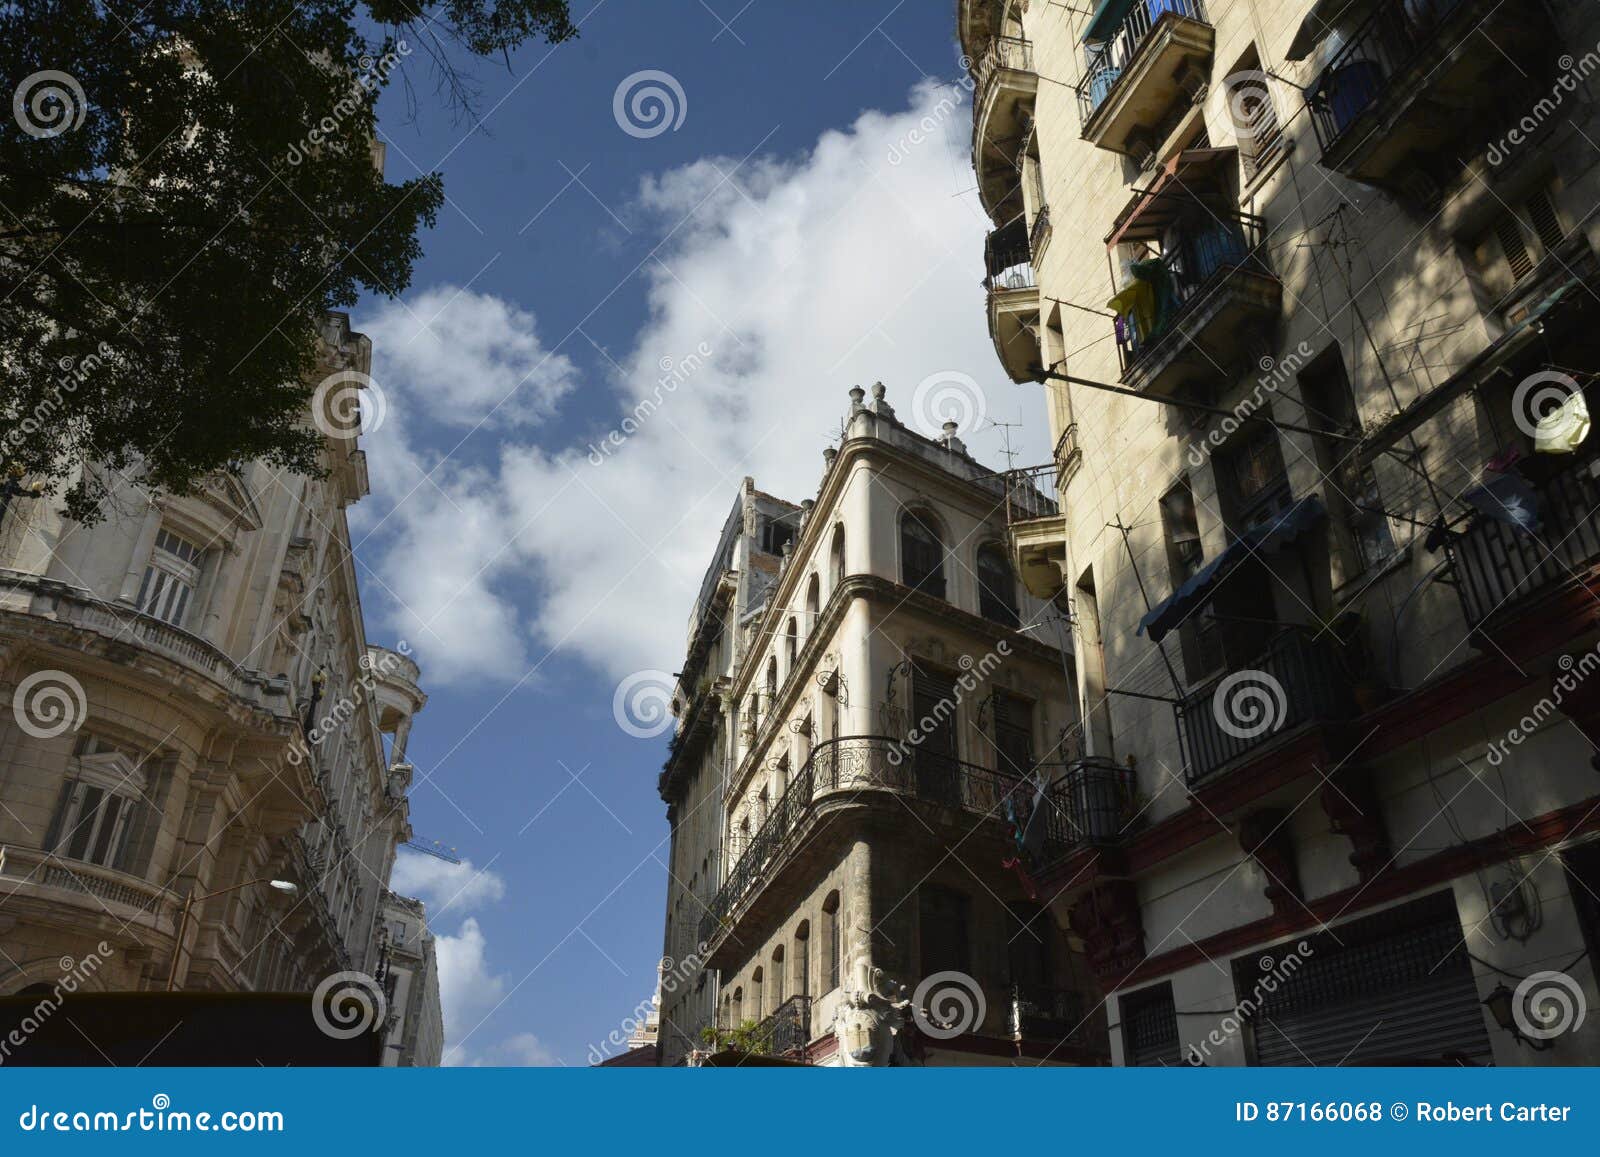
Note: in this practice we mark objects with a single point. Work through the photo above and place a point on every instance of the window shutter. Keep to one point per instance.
(1546, 222)
(1509, 231)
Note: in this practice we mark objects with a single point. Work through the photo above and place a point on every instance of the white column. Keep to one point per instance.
(142, 546)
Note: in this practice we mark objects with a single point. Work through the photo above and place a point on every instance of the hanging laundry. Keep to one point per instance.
(1564, 428)
(1155, 273)
(1136, 307)
(1507, 498)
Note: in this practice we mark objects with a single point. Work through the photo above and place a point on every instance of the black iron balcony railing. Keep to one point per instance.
(1111, 58)
(1359, 75)
(1299, 680)
(1089, 803)
(1008, 259)
(1046, 1014)
(1196, 266)
(1498, 567)
(855, 763)
(787, 1032)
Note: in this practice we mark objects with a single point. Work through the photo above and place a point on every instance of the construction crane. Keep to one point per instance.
(433, 848)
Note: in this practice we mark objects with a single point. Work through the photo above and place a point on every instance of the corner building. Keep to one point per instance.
(867, 699)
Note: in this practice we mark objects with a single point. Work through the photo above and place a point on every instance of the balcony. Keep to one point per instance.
(55, 882)
(1039, 552)
(863, 763)
(1013, 300)
(1090, 804)
(1139, 68)
(1002, 107)
(1047, 1015)
(1499, 569)
(1298, 681)
(1418, 74)
(1188, 322)
(785, 1033)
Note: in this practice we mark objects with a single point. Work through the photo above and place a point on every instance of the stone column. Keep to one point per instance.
(142, 547)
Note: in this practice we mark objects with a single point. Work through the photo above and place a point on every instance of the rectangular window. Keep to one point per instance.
(1255, 117)
(1252, 480)
(93, 825)
(775, 535)
(1360, 524)
(942, 918)
(1013, 733)
(1149, 1027)
(1199, 638)
(170, 578)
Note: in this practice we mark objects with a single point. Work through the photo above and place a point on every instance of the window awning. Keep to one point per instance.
(1267, 538)
(1107, 15)
(1182, 182)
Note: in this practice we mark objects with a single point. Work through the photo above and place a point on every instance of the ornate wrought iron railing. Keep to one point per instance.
(1200, 260)
(1496, 565)
(856, 763)
(1091, 802)
(1299, 680)
(1112, 57)
(787, 1032)
(1359, 75)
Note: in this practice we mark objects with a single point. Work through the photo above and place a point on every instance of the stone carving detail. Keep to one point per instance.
(1351, 803)
(1107, 919)
(874, 1019)
(1265, 837)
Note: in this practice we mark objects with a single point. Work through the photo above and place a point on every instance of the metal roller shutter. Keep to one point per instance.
(1394, 988)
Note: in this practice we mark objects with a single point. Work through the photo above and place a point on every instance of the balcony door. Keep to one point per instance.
(933, 720)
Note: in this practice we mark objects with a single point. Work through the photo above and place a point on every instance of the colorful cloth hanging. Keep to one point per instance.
(1564, 428)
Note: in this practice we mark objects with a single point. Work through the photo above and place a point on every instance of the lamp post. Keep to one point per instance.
(284, 886)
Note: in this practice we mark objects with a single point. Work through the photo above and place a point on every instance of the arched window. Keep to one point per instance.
(778, 995)
(772, 682)
(791, 646)
(997, 588)
(737, 1018)
(813, 604)
(832, 950)
(921, 554)
(757, 1008)
(800, 962)
(836, 559)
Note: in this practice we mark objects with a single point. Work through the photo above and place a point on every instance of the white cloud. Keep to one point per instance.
(463, 357)
(445, 887)
(801, 277)
(468, 988)
(524, 1050)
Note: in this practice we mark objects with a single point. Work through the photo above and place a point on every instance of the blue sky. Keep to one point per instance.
(809, 224)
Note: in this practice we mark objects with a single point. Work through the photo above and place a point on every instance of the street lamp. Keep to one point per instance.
(287, 887)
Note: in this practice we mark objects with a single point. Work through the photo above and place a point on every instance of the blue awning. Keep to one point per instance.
(1202, 585)
(1107, 15)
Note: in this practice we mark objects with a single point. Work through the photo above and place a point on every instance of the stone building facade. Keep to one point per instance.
(192, 710)
(1311, 289)
(868, 697)
(414, 1035)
